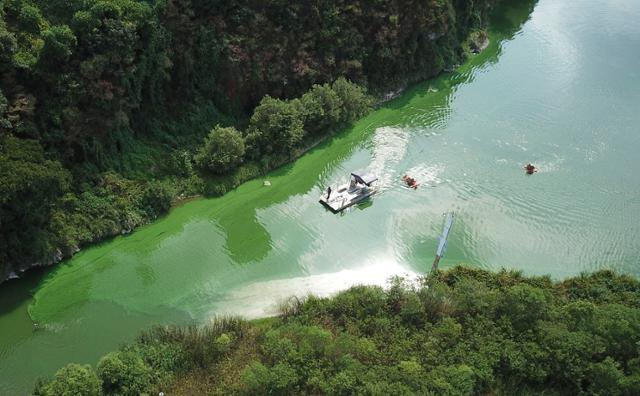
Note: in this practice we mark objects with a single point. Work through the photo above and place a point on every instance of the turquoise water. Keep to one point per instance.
(559, 86)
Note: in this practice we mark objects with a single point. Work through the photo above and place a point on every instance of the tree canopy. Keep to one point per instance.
(460, 332)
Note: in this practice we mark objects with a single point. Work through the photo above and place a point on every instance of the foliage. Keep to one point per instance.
(29, 185)
(222, 152)
(157, 198)
(355, 102)
(522, 336)
(279, 126)
(124, 373)
(276, 126)
(71, 380)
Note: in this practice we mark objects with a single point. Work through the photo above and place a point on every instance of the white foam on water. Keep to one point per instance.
(261, 299)
(426, 175)
(389, 147)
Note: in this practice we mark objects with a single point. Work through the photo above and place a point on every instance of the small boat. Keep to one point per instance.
(410, 182)
(359, 188)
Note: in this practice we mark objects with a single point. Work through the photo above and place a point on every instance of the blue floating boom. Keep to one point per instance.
(442, 245)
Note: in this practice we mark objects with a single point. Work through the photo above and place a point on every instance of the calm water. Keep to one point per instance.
(559, 87)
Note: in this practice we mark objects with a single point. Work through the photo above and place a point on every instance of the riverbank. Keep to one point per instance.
(462, 331)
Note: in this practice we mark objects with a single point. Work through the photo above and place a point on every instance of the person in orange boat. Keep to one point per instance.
(530, 169)
(410, 181)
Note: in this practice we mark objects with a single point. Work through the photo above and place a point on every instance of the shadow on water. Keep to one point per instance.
(508, 18)
(506, 22)
(16, 292)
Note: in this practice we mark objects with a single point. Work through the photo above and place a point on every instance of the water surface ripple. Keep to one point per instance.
(559, 86)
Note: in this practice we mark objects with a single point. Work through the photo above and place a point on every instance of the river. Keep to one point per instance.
(559, 86)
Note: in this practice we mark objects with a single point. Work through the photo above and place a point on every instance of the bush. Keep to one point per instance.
(276, 126)
(72, 380)
(5, 124)
(124, 373)
(222, 152)
(157, 198)
(524, 305)
(180, 164)
(256, 378)
(321, 109)
(260, 380)
(354, 100)
(451, 380)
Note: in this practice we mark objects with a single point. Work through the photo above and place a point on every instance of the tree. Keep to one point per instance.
(321, 109)
(276, 126)
(29, 185)
(157, 198)
(72, 380)
(605, 378)
(222, 152)
(124, 373)
(59, 43)
(5, 124)
(451, 380)
(8, 46)
(524, 305)
(354, 99)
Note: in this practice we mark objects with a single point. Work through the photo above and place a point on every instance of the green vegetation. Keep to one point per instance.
(114, 99)
(223, 150)
(460, 332)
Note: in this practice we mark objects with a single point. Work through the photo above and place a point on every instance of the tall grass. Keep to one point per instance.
(201, 344)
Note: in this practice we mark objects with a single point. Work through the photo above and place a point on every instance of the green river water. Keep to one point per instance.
(559, 86)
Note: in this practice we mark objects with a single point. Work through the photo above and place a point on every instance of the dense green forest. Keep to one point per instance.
(460, 332)
(112, 109)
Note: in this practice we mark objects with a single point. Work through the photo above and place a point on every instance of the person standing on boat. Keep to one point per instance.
(328, 193)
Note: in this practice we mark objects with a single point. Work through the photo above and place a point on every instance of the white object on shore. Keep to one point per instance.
(267, 183)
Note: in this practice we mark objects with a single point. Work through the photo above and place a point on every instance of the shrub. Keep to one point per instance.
(124, 372)
(222, 152)
(157, 198)
(180, 164)
(451, 380)
(524, 305)
(354, 100)
(256, 378)
(321, 109)
(276, 126)
(72, 380)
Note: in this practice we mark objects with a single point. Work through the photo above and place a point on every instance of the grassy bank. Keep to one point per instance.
(460, 332)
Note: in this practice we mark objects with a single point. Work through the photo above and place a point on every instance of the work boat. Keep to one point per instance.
(359, 188)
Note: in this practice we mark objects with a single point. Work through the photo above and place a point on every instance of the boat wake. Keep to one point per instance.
(389, 147)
